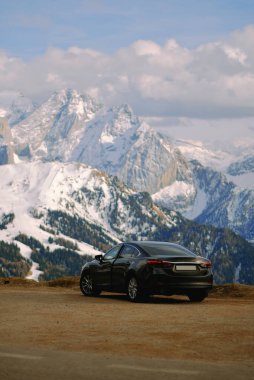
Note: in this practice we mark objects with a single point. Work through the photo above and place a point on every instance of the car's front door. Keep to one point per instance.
(103, 272)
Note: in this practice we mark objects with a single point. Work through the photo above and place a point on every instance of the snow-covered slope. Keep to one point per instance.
(86, 205)
(213, 157)
(29, 190)
(42, 195)
(178, 196)
(236, 160)
(213, 199)
(226, 204)
(70, 127)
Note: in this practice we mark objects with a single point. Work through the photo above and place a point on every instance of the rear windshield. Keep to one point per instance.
(166, 250)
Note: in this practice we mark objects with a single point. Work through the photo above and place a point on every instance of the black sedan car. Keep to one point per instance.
(144, 268)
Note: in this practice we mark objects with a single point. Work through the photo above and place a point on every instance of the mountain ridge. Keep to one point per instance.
(54, 187)
(55, 202)
(73, 127)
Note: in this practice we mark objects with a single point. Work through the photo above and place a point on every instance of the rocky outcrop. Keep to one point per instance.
(6, 147)
(243, 166)
(226, 204)
(152, 162)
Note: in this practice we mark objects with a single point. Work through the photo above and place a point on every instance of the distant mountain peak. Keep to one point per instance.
(51, 131)
(82, 105)
(15, 106)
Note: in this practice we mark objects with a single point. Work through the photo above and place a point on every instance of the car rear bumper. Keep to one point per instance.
(178, 285)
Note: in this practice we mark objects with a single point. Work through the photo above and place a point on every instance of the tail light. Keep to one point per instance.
(160, 263)
(206, 264)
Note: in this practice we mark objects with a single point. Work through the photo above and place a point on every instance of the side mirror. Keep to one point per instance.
(99, 258)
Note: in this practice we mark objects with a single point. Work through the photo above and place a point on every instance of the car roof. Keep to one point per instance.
(146, 244)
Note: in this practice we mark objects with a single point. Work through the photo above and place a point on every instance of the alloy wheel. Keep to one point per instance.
(87, 284)
(133, 289)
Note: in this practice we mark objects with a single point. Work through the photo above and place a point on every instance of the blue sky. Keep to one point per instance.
(29, 27)
(177, 63)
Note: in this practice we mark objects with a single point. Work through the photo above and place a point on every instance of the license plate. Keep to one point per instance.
(186, 267)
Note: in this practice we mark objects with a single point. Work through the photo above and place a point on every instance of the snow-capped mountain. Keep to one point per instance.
(237, 212)
(218, 159)
(244, 166)
(15, 106)
(54, 129)
(118, 143)
(42, 201)
(73, 127)
(235, 160)
(215, 200)
(241, 172)
(62, 196)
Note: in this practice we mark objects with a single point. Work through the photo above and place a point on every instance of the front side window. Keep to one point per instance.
(112, 253)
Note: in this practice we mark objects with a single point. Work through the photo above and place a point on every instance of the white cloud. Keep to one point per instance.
(147, 48)
(213, 80)
(219, 133)
(235, 54)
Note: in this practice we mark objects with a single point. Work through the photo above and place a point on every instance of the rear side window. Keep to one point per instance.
(129, 251)
(167, 250)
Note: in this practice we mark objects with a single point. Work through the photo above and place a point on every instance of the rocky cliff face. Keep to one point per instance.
(226, 204)
(118, 143)
(153, 163)
(54, 128)
(244, 166)
(6, 147)
(73, 127)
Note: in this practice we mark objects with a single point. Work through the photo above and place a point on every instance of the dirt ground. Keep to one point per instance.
(58, 318)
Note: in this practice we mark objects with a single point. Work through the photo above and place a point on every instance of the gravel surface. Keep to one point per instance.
(218, 329)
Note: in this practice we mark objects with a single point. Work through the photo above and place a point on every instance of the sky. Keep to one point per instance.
(29, 27)
(173, 61)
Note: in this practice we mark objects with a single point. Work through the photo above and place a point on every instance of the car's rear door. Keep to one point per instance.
(120, 267)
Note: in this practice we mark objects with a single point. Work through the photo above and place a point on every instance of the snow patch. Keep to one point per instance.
(177, 189)
(35, 272)
(244, 181)
(3, 112)
(237, 273)
(199, 205)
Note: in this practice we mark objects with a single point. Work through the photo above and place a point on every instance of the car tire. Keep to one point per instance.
(87, 287)
(198, 296)
(134, 292)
